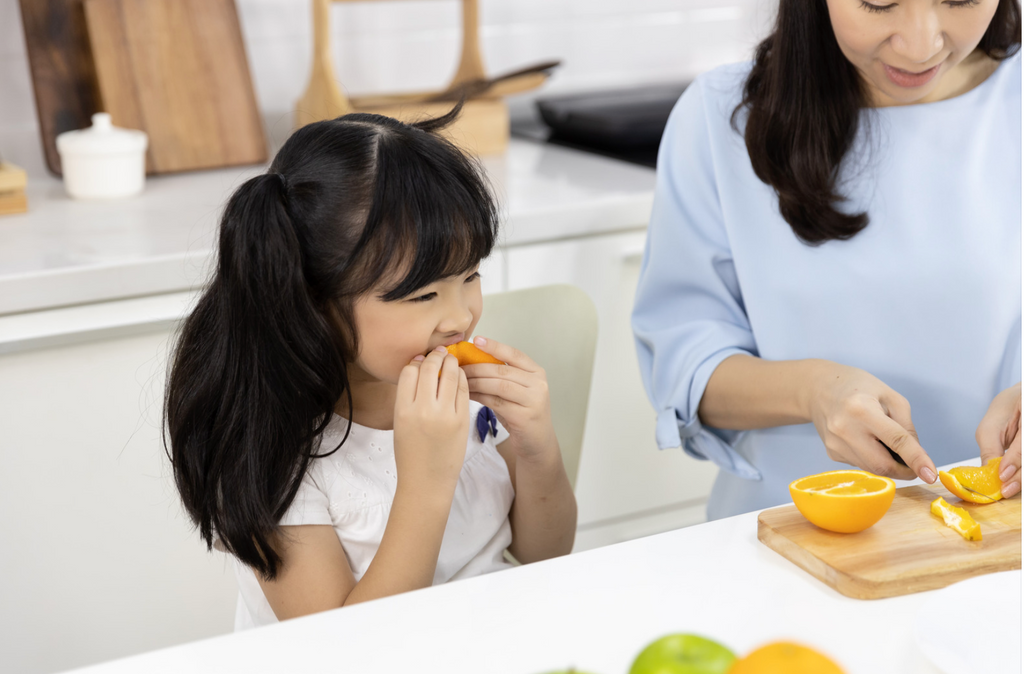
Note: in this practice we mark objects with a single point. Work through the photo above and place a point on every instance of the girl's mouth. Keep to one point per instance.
(909, 80)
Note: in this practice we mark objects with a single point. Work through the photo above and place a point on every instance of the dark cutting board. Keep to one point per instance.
(177, 69)
(63, 76)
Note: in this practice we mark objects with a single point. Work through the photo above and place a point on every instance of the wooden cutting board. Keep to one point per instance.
(63, 76)
(909, 550)
(177, 69)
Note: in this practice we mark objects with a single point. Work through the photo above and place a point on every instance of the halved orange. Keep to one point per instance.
(974, 484)
(957, 519)
(785, 657)
(469, 354)
(844, 501)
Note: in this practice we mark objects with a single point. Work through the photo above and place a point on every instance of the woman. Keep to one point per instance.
(835, 241)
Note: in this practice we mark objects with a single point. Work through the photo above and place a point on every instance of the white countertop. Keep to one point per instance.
(593, 610)
(66, 252)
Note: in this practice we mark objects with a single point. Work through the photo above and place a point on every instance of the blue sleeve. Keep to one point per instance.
(689, 316)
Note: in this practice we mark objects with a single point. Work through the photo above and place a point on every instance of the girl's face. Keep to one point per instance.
(392, 333)
(903, 48)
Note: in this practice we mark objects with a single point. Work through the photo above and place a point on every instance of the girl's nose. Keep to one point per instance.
(458, 319)
(919, 38)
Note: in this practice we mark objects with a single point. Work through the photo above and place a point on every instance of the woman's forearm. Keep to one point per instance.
(543, 514)
(745, 392)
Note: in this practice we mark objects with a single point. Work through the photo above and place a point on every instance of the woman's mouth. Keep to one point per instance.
(909, 80)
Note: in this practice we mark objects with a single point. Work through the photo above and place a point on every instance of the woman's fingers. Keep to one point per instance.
(506, 353)
(904, 442)
(1009, 468)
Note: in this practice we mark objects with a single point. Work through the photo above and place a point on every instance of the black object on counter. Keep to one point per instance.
(622, 123)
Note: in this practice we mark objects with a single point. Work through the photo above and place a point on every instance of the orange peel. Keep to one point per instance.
(785, 657)
(957, 519)
(844, 501)
(467, 353)
(974, 484)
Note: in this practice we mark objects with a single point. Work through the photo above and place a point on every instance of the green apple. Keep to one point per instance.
(683, 654)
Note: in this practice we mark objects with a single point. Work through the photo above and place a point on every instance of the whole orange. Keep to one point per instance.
(785, 657)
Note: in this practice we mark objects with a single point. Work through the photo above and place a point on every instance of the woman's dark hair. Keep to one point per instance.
(261, 362)
(804, 98)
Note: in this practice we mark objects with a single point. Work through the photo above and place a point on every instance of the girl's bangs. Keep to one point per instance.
(432, 217)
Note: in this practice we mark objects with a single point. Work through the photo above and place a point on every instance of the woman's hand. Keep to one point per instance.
(998, 434)
(518, 394)
(858, 416)
(431, 422)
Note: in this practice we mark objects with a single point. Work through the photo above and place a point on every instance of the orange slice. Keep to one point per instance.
(785, 657)
(469, 354)
(845, 501)
(977, 485)
(957, 519)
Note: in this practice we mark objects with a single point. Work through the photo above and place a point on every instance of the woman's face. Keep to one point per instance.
(904, 48)
(392, 333)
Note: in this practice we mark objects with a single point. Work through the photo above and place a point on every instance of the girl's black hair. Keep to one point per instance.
(347, 205)
(804, 99)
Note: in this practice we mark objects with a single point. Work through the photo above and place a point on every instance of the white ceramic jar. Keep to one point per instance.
(103, 161)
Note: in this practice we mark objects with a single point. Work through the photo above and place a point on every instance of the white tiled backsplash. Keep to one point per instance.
(406, 45)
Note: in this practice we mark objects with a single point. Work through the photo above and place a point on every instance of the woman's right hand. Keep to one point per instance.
(431, 422)
(855, 413)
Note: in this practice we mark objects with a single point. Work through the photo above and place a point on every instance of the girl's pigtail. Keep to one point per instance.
(256, 361)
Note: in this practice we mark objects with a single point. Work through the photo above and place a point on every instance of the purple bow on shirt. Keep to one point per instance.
(486, 421)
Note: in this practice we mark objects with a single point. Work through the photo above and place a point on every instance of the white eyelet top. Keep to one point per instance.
(353, 489)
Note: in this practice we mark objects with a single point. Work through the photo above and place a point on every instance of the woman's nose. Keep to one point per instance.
(919, 38)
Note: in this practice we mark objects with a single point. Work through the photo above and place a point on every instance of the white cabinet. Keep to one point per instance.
(626, 486)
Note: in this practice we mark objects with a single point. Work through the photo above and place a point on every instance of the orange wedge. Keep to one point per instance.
(784, 657)
(469, 354)
(977, 485)
(957, 519)
(845, 501)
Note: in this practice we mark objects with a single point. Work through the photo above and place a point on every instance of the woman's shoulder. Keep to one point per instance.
(711, 98)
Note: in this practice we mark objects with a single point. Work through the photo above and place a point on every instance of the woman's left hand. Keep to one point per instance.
(518, 393)
(998, 434)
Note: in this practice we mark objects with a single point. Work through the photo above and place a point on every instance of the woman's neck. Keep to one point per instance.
(966, 75)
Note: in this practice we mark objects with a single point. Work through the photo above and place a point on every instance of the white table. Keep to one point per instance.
(593, 610)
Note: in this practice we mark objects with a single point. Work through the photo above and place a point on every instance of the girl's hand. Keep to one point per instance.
(855, 413)
(518, 394)
(431, 422)
(998, 434)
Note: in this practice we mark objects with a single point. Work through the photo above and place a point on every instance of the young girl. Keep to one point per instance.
(318, 430)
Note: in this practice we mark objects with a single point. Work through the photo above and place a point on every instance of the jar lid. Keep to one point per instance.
(102, 138)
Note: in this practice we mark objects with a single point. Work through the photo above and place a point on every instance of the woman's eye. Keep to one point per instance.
(881, 8)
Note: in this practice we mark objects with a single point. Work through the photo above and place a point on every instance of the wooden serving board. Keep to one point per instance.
(63, 75)
(909, 550)
(177, 70)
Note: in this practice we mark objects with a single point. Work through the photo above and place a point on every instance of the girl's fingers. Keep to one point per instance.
(450, 376)
(426, 389)
(506, 353)
(495, 371)
(501, 388)
(903, 442)
(498, 405)
(407, 380)
(462, 396)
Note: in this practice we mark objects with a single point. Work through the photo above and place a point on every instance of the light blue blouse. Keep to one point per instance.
(927, 298)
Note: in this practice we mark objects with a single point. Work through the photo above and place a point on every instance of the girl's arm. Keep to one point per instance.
(431, 430)
(855, 414)
(543, 515)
